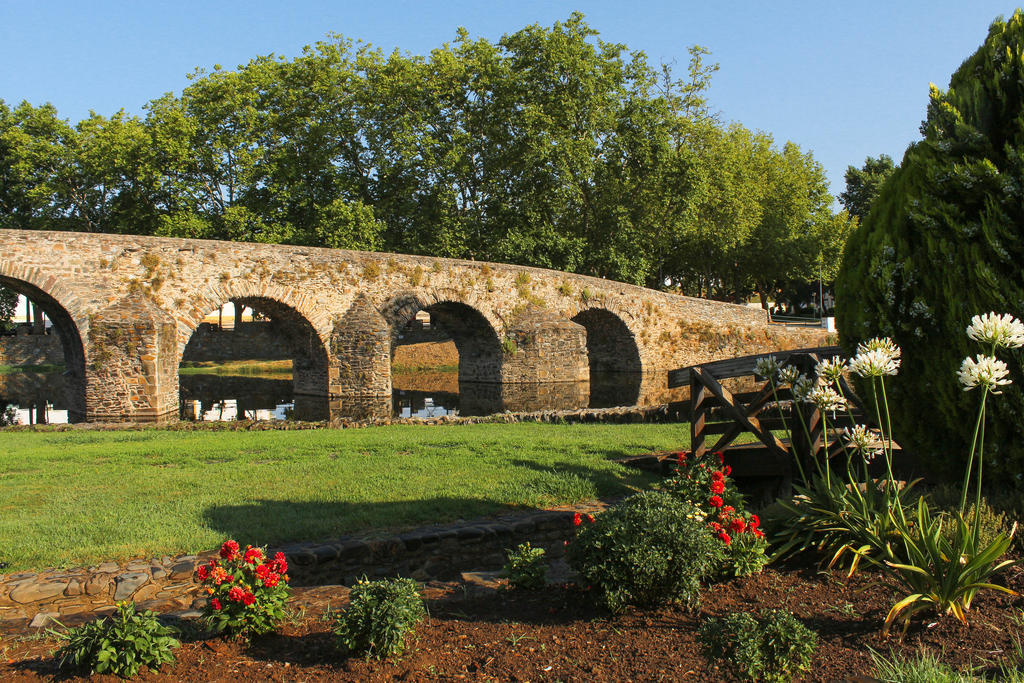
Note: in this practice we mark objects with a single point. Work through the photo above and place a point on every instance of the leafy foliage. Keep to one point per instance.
(941, 243)
(651, 548)
(8, 302)
(863, 184)
(527, 567)
(379, 618)
(704, 483)
(549, 147)
(774, 646)
(120, 644)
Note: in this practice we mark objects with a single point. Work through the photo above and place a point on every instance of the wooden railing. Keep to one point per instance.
(717, 411)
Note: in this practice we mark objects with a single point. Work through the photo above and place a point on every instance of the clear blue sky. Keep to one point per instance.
(844, 80)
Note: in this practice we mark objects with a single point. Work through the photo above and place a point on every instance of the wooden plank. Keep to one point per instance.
(753, 408)
(744, 365)
(699, 409)
(749, 423)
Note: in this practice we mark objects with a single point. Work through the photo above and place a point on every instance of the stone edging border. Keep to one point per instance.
(167, 584)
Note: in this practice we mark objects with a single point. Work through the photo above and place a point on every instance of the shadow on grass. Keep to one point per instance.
(284, 521)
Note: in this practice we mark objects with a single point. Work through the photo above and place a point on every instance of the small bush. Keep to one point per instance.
(705, 484)
(527, 567)
(120, 644)
(774, 646)
(651, 548)
(380, 615)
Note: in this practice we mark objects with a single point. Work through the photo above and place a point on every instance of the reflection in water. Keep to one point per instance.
(38, 398)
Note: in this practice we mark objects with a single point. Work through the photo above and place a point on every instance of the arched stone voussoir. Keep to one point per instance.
(204, 303)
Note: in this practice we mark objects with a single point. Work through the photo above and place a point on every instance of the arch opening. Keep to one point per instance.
(45, 338)
(254, 358)
(615, 367)
(446, 357)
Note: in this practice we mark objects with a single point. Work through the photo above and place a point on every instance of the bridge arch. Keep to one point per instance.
(58, 305)
(474, 334)
(615, 364)
(288, 333)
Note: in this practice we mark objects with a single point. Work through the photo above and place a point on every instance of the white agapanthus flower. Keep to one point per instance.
(880, 344)
(863, 440)
(802, 387)
(983, 371)
(875, 362)
(826, 398)
(789, 375)
(1001, 330)
(766, 367)
(830, 369)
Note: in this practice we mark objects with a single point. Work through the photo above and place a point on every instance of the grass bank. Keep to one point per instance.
(45, 368)
(80, 497)
(277, 368)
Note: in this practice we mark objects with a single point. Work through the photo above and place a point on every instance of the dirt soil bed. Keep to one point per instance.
(489, 633)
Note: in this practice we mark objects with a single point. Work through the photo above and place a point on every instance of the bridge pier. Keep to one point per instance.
(131, 371)
(360, 354)
(542, 347)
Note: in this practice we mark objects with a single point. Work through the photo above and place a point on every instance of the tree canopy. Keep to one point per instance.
(549, 147)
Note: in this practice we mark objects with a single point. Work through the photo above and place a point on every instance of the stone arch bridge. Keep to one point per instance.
(125, 308)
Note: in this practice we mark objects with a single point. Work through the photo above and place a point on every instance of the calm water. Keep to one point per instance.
(37, 398)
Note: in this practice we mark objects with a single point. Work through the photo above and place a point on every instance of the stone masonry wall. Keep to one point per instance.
(248, 340)
(477, 303)
(32, 349)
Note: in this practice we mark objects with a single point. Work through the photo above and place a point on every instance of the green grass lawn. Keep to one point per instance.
(80, 497)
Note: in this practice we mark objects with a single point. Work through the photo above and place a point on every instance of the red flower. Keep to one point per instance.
(202, 572)
(715, 526)
(738, 525)
(577, 519)
(229, 550)
(717, 475)
(253, 555)
(236, 594)
(681, 457)
(715, 501)
(727, 469)
(590, 518)
(216, 604)
(718, 486)
(758, 533)
(271, 580)
(721, 458)
(248, 599)
(755, 521)
(280, 566)
(727, 509)
(724, 537)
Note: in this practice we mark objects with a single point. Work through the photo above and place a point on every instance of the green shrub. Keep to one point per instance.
(705, 484)
(527, 567)
(941, 243)
(120, 644)
(380, 616)
(651, 548)
(774, 646)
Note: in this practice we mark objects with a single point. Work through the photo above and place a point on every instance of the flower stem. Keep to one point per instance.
(970, 456)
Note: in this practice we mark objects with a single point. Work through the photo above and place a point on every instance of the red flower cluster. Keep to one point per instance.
(577, 518)
(247, 590)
